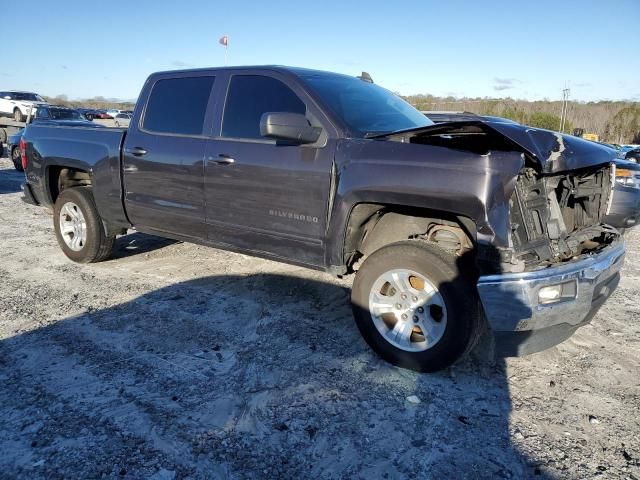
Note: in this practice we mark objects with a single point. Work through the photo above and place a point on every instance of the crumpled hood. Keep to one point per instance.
(553, 152)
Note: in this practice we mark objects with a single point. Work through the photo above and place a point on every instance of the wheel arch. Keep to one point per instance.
(371, 226)
(61, 177)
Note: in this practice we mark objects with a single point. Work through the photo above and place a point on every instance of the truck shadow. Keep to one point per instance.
(258, 376)
(138, 243)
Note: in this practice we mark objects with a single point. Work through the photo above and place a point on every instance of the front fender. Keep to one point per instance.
(455, 182)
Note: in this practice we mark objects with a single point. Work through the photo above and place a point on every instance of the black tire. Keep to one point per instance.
(16, 158)
(99, 242)
(18, 116)
(456, 285)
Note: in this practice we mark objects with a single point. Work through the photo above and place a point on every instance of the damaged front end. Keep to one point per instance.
(559, 262)
(561, 195)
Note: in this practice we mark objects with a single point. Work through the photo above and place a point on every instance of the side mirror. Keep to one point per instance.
(291, 127)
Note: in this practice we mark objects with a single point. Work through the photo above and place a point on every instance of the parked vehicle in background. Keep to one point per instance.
(88, 113)
(113, 112)
(55, 112)
(633, 155)
(102, 115)
(446, 226)
(593, 137)
(625, 206)
(122, 120)
(13, 148)
(19, 104)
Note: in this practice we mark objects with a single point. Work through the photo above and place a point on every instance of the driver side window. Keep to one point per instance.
(250, 96)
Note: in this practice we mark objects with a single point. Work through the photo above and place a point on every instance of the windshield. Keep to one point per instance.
(64, 114)
(365, 107)
(31, 97)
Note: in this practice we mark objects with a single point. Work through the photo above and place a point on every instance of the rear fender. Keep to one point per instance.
(93, 150)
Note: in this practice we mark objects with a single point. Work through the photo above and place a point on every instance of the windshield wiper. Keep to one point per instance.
(377, 134)
(394, 132)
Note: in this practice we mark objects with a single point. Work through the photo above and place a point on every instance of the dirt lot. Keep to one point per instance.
(178, 361)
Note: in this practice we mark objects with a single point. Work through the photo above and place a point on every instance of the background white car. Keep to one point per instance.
(18, 104)
(122, 120)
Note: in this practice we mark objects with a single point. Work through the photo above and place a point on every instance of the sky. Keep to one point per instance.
(489, 48)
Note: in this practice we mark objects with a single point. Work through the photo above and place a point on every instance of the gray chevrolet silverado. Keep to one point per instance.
(450, 228)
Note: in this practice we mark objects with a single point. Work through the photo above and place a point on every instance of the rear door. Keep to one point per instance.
(262, 195)
(163, 155)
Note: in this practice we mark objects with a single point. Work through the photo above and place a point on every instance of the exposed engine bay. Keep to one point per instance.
(557, 217)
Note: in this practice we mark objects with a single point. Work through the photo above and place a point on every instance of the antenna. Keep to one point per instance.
(365, 77)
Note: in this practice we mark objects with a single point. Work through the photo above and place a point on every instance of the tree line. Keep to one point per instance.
(614, 122)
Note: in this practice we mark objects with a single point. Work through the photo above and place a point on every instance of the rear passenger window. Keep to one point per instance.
(249, 97)
(178, 105)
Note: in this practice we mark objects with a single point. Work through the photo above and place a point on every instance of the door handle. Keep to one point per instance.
(136, 151)
(222, 159)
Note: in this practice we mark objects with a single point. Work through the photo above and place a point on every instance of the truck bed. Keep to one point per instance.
(96, 150)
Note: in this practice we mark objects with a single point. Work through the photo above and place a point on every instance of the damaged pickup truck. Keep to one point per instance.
(450, 229)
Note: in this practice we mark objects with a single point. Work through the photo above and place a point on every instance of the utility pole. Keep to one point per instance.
(565, 105)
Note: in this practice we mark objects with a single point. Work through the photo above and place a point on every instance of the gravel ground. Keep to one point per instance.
(179, 361)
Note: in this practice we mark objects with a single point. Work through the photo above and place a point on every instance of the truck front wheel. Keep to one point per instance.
(80, 231)
(416, 306)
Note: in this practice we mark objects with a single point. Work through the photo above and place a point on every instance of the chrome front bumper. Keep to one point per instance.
(512, 307)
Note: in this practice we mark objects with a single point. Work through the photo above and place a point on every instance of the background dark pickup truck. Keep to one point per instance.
(446, 225)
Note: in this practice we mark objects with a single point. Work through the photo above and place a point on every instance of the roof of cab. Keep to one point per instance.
(298, 71)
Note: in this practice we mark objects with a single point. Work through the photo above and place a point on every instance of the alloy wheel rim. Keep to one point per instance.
(73, 226)
(408, 310)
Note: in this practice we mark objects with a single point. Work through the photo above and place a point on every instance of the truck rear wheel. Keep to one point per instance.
(416, 306)
(80, 231)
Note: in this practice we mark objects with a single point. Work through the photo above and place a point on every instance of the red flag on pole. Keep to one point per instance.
(224, 40)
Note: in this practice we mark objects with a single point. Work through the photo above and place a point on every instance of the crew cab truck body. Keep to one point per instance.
(449, 228)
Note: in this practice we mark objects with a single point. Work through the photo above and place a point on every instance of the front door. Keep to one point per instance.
(261, 195)
(163, 160)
